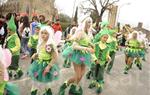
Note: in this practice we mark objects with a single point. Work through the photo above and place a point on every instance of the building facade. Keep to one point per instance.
(44, 7)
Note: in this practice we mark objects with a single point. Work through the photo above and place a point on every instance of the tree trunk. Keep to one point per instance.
(99, 19)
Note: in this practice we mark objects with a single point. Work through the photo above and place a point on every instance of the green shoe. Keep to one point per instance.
(139, 66)
(126, 69)
(48, 92)
(88, 74)
(74, 90)
(34, 92)
(10, 74)
(125, 72)
(99, 87)
(80, 91)
(19, 74)
(92, 84)
(62, 89)
(99, 90)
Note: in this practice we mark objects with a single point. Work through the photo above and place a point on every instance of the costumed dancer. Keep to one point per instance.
(132, 51)
(33, 41)
(67, 61)
(44, 68)
(113, 46)
(13, 44)
(80, 55)
(104, 28)
(142, 51)
(6, 88)
(102, 56)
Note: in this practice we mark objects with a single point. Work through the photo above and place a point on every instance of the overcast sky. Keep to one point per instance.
(130, 11)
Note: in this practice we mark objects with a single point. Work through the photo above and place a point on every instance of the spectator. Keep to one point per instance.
(3, 29)
(56, 26)
(25, 37)
(42, 19)
(33, 24)
(67, 31)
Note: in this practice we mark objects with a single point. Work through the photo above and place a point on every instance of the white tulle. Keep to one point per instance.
(5, 60)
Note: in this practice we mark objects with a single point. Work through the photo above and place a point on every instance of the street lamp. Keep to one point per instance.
(120, 8)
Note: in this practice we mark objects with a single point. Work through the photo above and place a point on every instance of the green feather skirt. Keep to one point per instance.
(36, 69)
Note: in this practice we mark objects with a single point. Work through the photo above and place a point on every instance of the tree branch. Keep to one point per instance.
(91, 2)
(89, 9)
(115, 1)
(112, 3)
(100, 1)
(106, 3)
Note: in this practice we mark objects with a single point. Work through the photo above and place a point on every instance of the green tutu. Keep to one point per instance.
(142, 53)
(130, 52)
(67, 52)
(77, 56)
(36, 69)
(10, 88)
(67, 49)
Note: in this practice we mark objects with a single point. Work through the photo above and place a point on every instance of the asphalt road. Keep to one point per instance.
(135, 83)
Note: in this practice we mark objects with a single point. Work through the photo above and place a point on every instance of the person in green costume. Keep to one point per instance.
(44, 68)
(138, 60)
(105, 28)
(33, 41)
(13, 44)
(113, 46)
(80, 55)
(132, 51)
(6, 87)
(101, 57)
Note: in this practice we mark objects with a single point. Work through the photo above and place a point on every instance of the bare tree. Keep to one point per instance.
(97, 7)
